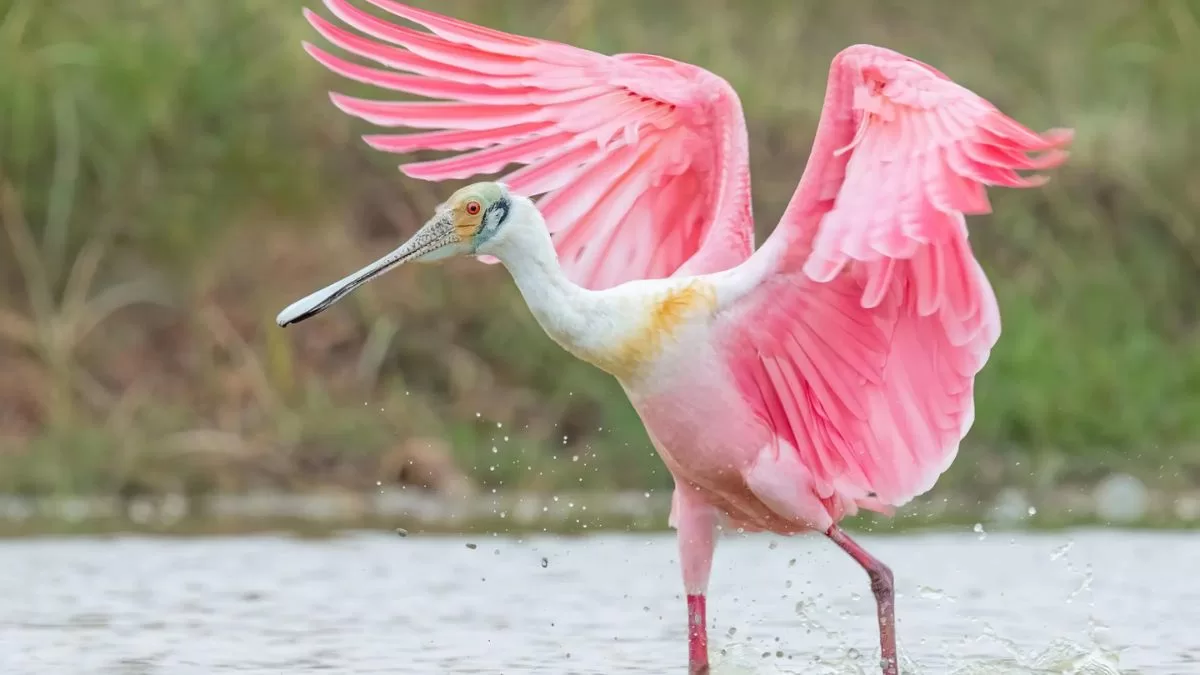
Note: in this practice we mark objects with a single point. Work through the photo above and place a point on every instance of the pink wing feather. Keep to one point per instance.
(861, 346)
(641, 161)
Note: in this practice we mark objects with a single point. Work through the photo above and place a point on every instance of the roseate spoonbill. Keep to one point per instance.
(784, 387)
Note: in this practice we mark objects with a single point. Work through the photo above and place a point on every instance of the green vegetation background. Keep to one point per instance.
(172, 174)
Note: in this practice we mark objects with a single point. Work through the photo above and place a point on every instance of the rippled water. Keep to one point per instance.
(1077, 602)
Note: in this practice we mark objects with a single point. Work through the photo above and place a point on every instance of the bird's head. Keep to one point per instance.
(473, 221)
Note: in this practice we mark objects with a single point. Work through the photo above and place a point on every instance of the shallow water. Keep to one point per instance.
(1075, 602)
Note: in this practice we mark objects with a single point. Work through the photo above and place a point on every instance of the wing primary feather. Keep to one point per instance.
(398, 58)
(469, 139)
(428, 45)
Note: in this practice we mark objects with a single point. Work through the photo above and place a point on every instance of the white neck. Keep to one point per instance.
(562, 308)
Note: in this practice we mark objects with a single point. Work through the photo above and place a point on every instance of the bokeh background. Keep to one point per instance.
(172, 174)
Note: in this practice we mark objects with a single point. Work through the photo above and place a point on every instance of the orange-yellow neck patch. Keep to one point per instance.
(667, 314)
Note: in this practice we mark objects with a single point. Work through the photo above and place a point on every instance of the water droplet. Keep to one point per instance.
(979, 530)
(1032, 511)
(1061, 551)
(401, 531)
(930, 593)
(1085, 585)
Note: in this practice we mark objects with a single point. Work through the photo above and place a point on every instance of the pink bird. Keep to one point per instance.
(786, 387)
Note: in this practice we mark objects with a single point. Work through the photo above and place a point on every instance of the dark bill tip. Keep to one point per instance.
(313, 304)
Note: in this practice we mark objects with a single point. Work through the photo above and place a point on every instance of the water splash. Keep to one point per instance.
(1062, 657)
(742, 658)
(806, 611)
(746, 658)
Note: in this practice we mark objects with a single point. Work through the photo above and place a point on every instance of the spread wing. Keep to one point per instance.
(861, 342)
(640, 161)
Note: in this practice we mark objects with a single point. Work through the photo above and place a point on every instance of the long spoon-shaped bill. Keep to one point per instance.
(436, 234)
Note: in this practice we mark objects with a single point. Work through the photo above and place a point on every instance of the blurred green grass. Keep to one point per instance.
(172, 174)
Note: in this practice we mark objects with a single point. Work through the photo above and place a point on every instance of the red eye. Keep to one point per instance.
(473, 208)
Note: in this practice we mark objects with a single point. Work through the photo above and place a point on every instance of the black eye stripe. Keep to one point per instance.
(494, 216)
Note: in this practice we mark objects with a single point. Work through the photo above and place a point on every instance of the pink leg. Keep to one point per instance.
(885, 597)
(696, 524)
(697, 635)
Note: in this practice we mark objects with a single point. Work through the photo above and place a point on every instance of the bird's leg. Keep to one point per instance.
(885, 597)
(697, 634)
(696, 524)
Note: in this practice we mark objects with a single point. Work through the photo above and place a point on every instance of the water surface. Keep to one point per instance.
(1075, 602)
